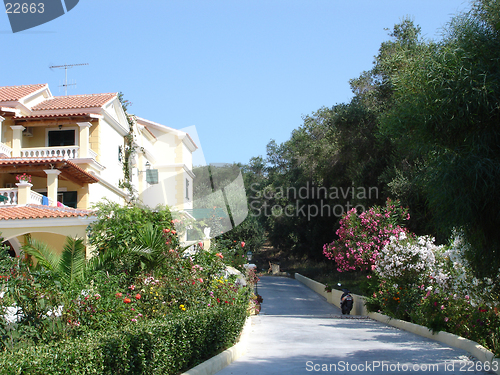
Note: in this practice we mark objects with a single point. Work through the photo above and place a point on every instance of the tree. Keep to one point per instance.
(445, 112)
(69, 268)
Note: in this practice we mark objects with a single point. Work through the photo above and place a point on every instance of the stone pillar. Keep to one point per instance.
(17, 136)
(141, 172)
(23, 193)
(206, 244)
(52, 184)
(1, 128)
(84, 139)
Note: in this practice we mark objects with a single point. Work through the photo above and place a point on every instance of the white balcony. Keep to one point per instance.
(12, 193)
(61, 152)
(6, 150)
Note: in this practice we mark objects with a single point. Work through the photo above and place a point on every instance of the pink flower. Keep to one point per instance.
(242, 244)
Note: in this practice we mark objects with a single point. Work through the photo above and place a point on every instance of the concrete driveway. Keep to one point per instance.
(298, 332)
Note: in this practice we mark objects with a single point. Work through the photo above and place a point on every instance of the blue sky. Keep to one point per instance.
(242, 72)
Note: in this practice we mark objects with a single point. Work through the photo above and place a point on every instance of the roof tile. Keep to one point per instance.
(12, 93)
(36, 116)
(34, 211)
(74, 101)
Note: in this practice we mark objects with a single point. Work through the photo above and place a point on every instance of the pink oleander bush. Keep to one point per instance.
(362, 236)
(410, 277)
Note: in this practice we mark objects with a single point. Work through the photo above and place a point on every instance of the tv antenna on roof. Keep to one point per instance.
(65, 67)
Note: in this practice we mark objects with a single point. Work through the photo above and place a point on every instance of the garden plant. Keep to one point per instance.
(141, 305)
(412, 278)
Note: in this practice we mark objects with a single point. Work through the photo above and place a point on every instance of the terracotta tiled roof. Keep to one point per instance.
(74, 101)
(69, 169)
(34, 211)
(11, 93)
(55, 115)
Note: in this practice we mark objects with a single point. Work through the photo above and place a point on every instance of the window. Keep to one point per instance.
(187, 188)
(61, 138)
(68, 198)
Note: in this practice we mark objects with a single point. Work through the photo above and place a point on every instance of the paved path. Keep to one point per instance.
(298, 332)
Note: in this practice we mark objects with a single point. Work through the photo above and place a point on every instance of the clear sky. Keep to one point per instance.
(242, 72)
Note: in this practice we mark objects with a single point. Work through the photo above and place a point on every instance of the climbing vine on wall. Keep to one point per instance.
(128, 152)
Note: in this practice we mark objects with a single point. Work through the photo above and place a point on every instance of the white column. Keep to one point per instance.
(1, 128)
(23, 193)
(84, 140)
(16, 140)
(52, 184)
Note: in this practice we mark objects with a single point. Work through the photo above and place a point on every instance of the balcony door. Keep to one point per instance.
(61, 138)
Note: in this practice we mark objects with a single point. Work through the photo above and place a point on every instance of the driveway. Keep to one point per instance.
(298, 332)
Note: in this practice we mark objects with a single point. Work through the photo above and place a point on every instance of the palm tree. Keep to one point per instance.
(69, 268)
(152, 250)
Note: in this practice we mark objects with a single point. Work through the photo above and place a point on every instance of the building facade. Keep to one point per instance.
(59, 155)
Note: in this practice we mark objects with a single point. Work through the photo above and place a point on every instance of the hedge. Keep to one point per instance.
(165, 346)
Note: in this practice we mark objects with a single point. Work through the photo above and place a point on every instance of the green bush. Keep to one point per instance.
(165, 346)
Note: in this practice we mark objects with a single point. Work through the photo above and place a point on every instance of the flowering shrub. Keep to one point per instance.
(168, 282)
(411, 261)
(23, 177)
(405, 267)
(361, 237)
(232, 252)
(431, 285)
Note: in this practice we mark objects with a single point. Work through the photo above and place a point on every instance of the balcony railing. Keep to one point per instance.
(11, 195)
(64, 152)
(6, 150)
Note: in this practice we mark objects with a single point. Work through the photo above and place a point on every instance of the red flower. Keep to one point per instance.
(118, 295)
(137, 296)
(219, 255)
(242, 244)
(127, 300)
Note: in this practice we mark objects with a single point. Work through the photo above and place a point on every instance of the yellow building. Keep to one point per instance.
(71, 148)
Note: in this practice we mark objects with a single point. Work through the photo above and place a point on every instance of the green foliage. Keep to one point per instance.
(118, 229)
(444, 121)
(29, 300)
(128, 151)
(69, 268)
(162, 346)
